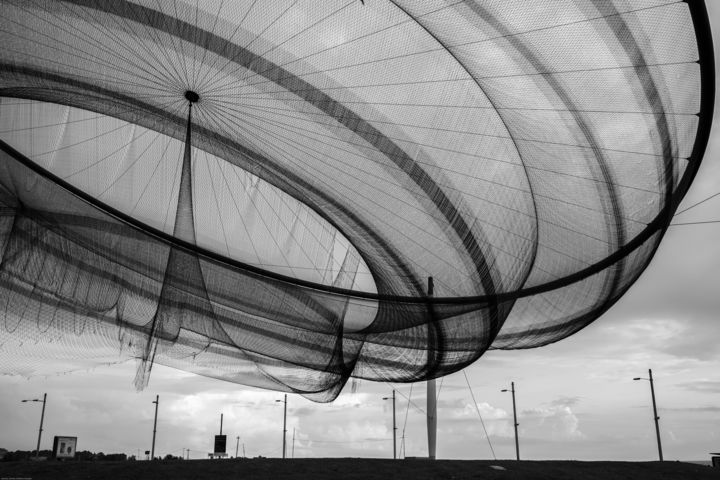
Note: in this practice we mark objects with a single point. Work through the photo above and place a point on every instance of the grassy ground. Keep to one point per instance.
(350, 468)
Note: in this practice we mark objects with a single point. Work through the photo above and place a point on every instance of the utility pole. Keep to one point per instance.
(157, 403)
(394, 425)
(42, 419)
(515, 422)
(655, 415)
(394, 429)
(431, 395)
(237, 445)
(293, 444)
(284, 424)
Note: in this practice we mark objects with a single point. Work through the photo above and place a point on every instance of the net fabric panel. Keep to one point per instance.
(525, 156)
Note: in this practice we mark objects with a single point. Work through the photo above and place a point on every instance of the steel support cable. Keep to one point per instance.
(326, 49)
(477, 408)
(236, 109)
(291, 159)
(651, 228)
(248, 97)
(416, 174)
(336, 160)
(497, 226)
(445, 47)
(409, 400)
(262, 219)
(54, 43)
(696, 204)
(407, 411)
(208, 81)
(309, 188)
(694, 223)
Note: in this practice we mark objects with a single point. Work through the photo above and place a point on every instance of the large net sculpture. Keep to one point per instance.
(289, 194)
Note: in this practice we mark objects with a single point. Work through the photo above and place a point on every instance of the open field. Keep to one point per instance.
(351, 468)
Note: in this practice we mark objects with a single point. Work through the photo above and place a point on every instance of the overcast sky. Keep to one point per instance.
(576, 399)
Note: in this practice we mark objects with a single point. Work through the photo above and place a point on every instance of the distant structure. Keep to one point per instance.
(260, 191)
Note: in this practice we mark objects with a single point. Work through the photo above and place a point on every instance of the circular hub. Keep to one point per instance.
(191, 96)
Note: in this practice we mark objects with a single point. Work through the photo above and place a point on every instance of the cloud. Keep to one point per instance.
(463, 409)
(565, 401)
(555, 423)
(708, 408)
(705, 386)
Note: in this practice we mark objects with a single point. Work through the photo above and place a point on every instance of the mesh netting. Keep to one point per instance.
(283, 228)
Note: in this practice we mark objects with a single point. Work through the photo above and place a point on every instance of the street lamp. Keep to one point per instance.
(515, 422)
(655, 415)
(157, 403)
(42, 418)
(284, 423)
(394, 427)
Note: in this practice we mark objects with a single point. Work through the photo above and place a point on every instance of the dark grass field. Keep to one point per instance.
(352, 468)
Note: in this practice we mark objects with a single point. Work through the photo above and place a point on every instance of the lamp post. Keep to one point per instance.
(394, 427)
(157, 403)
(284, 423)
(655, 415)
(42, 418)
(431, 400)
(515, 422)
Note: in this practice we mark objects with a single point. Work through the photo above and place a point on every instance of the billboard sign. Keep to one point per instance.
(64, 447)
(220, 442)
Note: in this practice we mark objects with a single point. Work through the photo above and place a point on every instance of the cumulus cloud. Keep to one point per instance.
(555, 422)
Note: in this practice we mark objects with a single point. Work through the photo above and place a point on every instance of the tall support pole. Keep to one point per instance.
(655, 415)
(42, 418)
(237, 446)
(431, 401)
(157, 403)
(515, 422)
(394, 427)
(284, 425)
(293, 445)
(221, 419)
